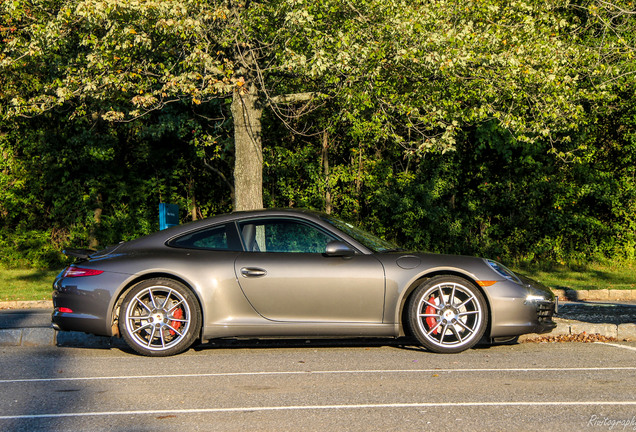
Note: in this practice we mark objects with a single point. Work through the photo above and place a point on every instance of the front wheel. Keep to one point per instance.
(447, 314)
(159, 317)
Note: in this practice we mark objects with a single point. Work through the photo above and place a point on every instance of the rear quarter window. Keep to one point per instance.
(221, 237)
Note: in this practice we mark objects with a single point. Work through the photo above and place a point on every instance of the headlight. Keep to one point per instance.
(502, 270)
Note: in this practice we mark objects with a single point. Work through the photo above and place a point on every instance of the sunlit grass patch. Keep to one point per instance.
(26, 284)
(591, 276)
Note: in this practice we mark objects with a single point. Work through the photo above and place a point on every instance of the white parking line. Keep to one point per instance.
(320, 407)
(327, 372)
(617, 345)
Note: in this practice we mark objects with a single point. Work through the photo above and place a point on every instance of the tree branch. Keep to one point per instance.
(220, 174)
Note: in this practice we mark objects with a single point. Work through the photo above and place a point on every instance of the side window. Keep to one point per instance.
(283, 235)
(215, 238)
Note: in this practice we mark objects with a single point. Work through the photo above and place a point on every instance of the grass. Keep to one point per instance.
(585, 276)
(26, 284)
(29, 284)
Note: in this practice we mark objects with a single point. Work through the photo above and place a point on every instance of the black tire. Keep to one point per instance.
(447, 314)
(159, 317)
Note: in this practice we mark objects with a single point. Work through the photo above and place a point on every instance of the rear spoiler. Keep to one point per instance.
(83, 254)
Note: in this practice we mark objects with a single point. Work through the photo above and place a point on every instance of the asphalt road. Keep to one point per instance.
(328, 386)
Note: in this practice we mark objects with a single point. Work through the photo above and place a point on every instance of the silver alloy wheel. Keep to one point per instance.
(448, 314)
(157, 318)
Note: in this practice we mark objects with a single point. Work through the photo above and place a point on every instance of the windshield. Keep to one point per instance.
(372, 242)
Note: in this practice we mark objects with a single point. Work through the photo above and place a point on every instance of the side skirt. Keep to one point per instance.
(300, 330)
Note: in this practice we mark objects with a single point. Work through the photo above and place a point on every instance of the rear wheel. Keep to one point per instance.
(159, 317)
(447, 314)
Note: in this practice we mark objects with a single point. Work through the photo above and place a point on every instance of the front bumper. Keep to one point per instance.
(521, 308)
(546, 309)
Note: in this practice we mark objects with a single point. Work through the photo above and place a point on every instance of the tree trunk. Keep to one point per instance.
(325, 167)
(194, 210)
(248, 164)
(93, 243)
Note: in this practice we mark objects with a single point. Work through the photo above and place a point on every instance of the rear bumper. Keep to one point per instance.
(79, 322)
(83, 303)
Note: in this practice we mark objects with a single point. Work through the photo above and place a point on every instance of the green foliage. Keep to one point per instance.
(505, 129)
(98, 186)
(534, 105)
(419, 73)
(32, 248)
(134, 57)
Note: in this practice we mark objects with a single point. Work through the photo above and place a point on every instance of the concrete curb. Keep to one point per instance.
(596, 295)
(620, 332)
(31, 337)
(31, 304)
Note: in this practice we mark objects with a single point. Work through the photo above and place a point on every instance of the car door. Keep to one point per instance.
(286, 276)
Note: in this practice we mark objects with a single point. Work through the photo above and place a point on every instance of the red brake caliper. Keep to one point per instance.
(178, 314)
(431, 321)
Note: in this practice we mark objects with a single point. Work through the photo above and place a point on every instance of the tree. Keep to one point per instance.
(414, 73)
(118, 61)
(417, 73)
(343, 101)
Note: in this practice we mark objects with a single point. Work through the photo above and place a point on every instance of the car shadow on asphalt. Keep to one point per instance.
(403, 343)
(305, 343)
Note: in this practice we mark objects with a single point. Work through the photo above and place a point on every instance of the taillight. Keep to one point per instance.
(73, 271)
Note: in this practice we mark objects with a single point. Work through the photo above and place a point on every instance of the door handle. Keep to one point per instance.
(253, 272)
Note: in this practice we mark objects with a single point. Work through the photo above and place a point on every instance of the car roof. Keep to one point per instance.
(160, 238)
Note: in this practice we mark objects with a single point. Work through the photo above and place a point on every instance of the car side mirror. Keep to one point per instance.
(336, 248)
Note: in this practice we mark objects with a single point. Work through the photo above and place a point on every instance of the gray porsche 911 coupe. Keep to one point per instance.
(290, 273)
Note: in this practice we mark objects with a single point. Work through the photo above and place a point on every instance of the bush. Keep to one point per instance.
(30, 249)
